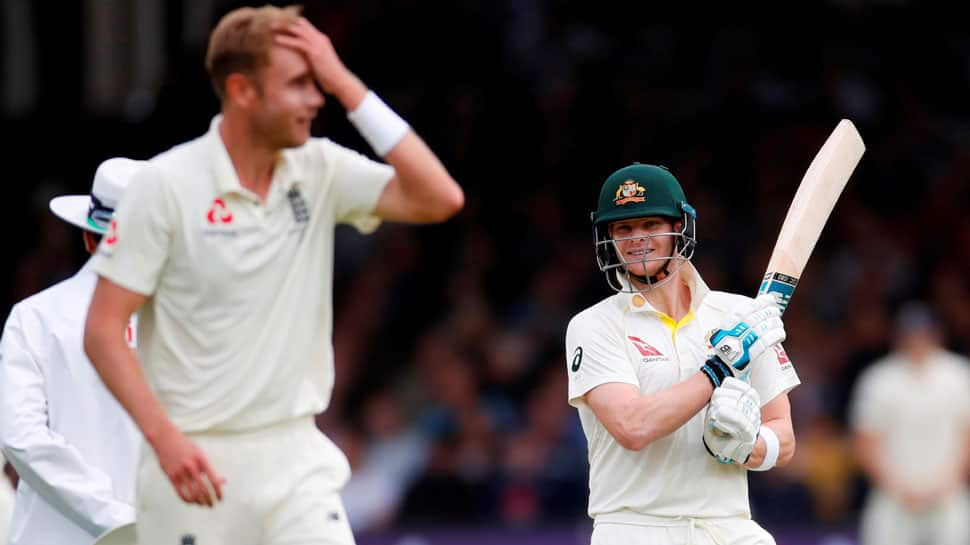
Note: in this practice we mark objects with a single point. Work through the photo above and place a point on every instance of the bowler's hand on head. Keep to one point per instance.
(328, 69)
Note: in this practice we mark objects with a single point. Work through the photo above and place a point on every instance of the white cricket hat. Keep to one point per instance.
(93, 212)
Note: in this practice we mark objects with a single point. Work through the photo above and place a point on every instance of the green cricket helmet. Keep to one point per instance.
(639, 191)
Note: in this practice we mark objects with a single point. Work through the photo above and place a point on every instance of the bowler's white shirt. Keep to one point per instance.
(236, 331)
(921, 415)
(624, 339)
(71, 442)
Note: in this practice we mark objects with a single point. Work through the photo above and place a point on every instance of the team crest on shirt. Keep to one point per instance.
(629, 191)
(298, 204)
(649, 352)
(301, 214)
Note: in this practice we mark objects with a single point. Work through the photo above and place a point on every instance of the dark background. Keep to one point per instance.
(451, 394)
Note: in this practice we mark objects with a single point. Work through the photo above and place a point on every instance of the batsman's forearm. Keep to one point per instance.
(660, 414)
(786, 444)
(120, 371)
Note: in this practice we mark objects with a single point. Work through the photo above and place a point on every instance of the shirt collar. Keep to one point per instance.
(687, 274)
(286, 174)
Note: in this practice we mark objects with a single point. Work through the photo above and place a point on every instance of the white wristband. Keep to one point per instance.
(771, 449)
(378, 124)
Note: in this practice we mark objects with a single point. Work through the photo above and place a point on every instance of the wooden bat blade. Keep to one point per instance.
(816, 196)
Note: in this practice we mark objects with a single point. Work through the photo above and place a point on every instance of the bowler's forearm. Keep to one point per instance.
(350, 91)
(120, 371)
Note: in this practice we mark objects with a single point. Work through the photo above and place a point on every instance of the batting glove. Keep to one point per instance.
(732, 422)
(758, 329)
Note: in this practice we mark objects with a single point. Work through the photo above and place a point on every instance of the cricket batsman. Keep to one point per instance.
(673, 428)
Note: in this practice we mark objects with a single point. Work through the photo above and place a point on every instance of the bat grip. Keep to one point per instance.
(782, 286)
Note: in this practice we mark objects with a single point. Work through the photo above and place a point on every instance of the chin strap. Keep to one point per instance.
(651, 280)
(661, 274)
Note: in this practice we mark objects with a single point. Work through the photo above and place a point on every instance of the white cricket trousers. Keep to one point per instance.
(884, 521)
(282, 488)
(682, 531)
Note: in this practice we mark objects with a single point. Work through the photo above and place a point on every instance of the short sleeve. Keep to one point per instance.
(136, 247)
(594, 356)
(773, 374)
(358, 183)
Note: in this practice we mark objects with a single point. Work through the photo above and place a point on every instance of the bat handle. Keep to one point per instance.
(781, 286)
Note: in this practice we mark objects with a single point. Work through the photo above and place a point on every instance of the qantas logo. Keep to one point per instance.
(644, 347)
(218, 213)
(648, 352)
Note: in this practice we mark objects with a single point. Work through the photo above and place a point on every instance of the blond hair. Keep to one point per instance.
(241, 40)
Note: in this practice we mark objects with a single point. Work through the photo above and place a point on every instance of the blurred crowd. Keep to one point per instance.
(451, 389)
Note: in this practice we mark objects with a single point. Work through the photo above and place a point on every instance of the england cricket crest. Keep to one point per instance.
(629, 191)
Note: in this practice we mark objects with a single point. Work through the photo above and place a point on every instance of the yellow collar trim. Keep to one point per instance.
(674, 326)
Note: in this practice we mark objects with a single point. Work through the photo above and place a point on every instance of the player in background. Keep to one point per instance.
(910, 415)
(73, 446)
(642, 371)
(226, 246)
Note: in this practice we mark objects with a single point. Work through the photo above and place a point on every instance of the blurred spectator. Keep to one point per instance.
(911, 421)
(393, 456)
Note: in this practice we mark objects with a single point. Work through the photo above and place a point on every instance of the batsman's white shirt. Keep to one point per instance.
(236, 332)
(624, 339)
(921, 415)
(72, 444)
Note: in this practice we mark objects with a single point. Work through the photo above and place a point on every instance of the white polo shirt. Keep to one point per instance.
(624, 339)
(920, 414)
(236, 332)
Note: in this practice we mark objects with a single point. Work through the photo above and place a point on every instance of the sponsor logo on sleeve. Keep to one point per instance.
(783, 358)
(577, 359)
(112, 237)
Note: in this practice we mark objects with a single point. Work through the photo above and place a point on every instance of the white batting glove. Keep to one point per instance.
(732, 422)
(748, 333)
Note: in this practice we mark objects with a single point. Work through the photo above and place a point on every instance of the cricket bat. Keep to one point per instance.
(816, 195)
